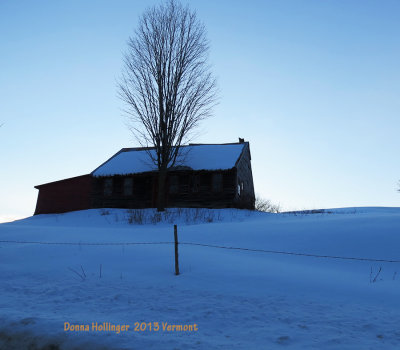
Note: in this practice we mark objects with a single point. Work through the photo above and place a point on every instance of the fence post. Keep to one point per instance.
(176, 250)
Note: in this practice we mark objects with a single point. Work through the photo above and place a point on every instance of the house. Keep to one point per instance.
(205, 175)
(64, 195)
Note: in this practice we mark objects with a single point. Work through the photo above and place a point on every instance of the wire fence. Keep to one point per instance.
(337, 257)
(86, 243)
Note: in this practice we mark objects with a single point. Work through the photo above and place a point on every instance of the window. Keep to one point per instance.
(205, 182)
(108, 186)
(240, 187)
(184, 186)
(128, 186)
(195, 183)
(217, 182)
(174, 184)
(140, 186)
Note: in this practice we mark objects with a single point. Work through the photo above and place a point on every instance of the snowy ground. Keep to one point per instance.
(238, 299)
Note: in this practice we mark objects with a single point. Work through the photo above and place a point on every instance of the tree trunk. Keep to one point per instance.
(162, 175)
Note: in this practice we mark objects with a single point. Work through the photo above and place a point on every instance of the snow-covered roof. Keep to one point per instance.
(195, 157)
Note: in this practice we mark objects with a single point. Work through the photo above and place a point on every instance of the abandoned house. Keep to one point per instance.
(205, 175)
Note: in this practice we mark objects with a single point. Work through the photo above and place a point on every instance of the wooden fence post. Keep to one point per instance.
(176, 250)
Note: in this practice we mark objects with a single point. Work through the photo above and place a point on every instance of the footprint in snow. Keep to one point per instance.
(284, 339)
(27, 321)
(302, 326)
(368, 326)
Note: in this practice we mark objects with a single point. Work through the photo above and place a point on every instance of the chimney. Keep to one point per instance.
(241, 140)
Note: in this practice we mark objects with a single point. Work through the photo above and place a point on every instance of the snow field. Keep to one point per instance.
(238, 299)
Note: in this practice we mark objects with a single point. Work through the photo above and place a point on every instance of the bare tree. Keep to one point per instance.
(166, 83)
(265, 205)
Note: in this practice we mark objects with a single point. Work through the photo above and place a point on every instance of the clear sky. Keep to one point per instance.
(313, 85)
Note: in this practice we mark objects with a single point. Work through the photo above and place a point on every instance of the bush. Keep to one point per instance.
(135, 216)
(172, 215)
(265, 205)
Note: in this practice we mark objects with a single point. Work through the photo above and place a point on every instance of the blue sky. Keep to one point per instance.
(313, 85)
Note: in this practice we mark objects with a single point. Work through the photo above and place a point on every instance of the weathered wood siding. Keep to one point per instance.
(190, 189)
(202, 189)
(244, 197)
(142, 195)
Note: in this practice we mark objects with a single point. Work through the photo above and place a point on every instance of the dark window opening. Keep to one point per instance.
(228, 181)
(195, 183)
(217, 183)
(184, 184)
(205, 182)
(174, 184)
(128, 186)
(108, 186)
(140, 186)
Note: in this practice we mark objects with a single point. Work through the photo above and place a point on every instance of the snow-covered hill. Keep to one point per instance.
(238, 299)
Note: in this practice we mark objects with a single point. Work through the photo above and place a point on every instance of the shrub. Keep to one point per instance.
(265, 205)
(135, 216)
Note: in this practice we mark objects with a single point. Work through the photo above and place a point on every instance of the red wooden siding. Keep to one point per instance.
(64, 195)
